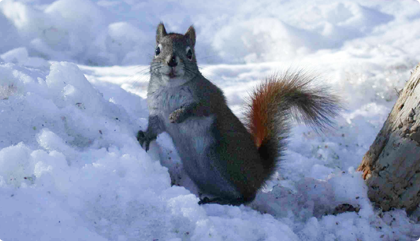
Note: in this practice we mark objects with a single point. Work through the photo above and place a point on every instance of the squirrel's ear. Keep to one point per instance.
(160, 32)
(190, 34)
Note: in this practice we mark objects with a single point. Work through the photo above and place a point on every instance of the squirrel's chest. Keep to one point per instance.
(166, 100)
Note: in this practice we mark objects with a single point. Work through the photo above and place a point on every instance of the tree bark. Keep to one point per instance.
(391, 167)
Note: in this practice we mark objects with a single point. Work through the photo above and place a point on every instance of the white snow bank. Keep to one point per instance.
(71, 169)
(106, 32)
(20, 55)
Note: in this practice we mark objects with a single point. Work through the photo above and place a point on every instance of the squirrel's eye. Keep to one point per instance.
(189, 53)
(157, 51)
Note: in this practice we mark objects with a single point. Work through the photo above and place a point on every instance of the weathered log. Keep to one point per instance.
(391, 167)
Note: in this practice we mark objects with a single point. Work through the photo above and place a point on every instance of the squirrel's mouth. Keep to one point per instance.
(172, 74)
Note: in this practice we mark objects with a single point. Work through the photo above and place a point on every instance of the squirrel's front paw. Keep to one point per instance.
(144, 139)
(176, 116)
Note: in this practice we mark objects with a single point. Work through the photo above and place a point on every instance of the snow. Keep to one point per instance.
(70, 165)
(20, 55)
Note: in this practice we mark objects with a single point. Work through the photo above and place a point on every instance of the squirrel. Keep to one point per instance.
(226, 159)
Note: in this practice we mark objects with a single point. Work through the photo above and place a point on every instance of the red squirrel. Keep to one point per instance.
(225, 158)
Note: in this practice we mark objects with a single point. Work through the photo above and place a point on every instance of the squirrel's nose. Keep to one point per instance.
(172, 62)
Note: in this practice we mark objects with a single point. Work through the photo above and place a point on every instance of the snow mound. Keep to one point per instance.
(71, 168)
(21, 56)
(103, 32)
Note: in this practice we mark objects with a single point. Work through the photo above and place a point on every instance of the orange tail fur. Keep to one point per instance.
(278, 100)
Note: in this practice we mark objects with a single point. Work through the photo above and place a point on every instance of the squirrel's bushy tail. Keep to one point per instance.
(283, 98)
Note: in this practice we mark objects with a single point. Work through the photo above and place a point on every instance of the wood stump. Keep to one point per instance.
(391, 167)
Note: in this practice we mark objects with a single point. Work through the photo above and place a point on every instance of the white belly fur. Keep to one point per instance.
(197, 129)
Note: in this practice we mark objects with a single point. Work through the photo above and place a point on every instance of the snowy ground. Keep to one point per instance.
(71, 168)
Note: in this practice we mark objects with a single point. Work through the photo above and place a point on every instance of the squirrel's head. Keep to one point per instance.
(174, 59)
